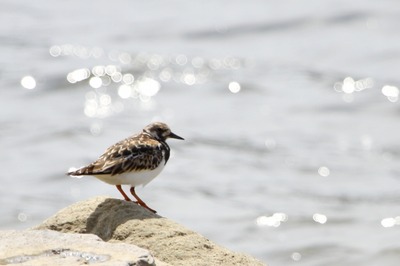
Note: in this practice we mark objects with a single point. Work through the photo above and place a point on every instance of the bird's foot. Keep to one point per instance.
(147, 207)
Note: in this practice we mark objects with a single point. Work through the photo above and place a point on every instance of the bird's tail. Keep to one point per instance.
(85, 170)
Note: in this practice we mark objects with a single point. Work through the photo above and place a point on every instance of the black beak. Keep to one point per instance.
(174, 136)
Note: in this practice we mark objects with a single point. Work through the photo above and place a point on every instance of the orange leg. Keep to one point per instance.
(123, 193)
(140, 201)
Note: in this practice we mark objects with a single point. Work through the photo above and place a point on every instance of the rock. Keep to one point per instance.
(45, 247)
(119, 221)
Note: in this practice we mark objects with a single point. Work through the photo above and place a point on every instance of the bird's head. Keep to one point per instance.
(160, 131)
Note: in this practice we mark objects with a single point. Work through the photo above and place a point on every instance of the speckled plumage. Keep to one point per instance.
(134, 154)
(133, 161)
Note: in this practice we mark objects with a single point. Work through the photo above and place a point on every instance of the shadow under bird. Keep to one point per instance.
(133, 161)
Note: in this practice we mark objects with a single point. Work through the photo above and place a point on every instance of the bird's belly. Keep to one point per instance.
(132, 178)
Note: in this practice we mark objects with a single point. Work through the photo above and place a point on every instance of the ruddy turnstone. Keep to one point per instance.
(133, 161)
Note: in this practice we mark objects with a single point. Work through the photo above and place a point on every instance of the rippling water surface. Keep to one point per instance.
(289, 109)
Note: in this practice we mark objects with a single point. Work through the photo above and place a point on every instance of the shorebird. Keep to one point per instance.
(133, 161)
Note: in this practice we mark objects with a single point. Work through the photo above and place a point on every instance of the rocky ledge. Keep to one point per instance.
(109, 231)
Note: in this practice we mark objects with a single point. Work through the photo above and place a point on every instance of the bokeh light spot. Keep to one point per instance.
(125, 58)
(125, 91)
(320, 218)
(128, 79)
(390, 221)
(324, 171)
(28, 82)
(348, 85)
(166, 75)
(181, 59)
(296, 256)
(78, 75)
(111, 69)
(391, 92)
(22, 217)
(148, 87)
(95, 82)
(274, 220)
(116, 77)
(96, 128)
(99, 71)
(234, 87)
(189, 79)
(55, 51)
(105, 99)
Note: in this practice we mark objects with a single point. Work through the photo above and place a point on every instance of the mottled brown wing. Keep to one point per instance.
(131, 154)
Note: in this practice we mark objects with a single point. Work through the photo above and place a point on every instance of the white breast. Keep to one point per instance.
(133, 178)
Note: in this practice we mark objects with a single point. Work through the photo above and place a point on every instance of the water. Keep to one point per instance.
(289, 111)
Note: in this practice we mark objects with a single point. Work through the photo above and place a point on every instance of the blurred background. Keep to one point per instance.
(289, 109)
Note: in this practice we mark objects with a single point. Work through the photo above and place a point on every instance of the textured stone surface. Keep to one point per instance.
(45, 247)
(118, 221)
